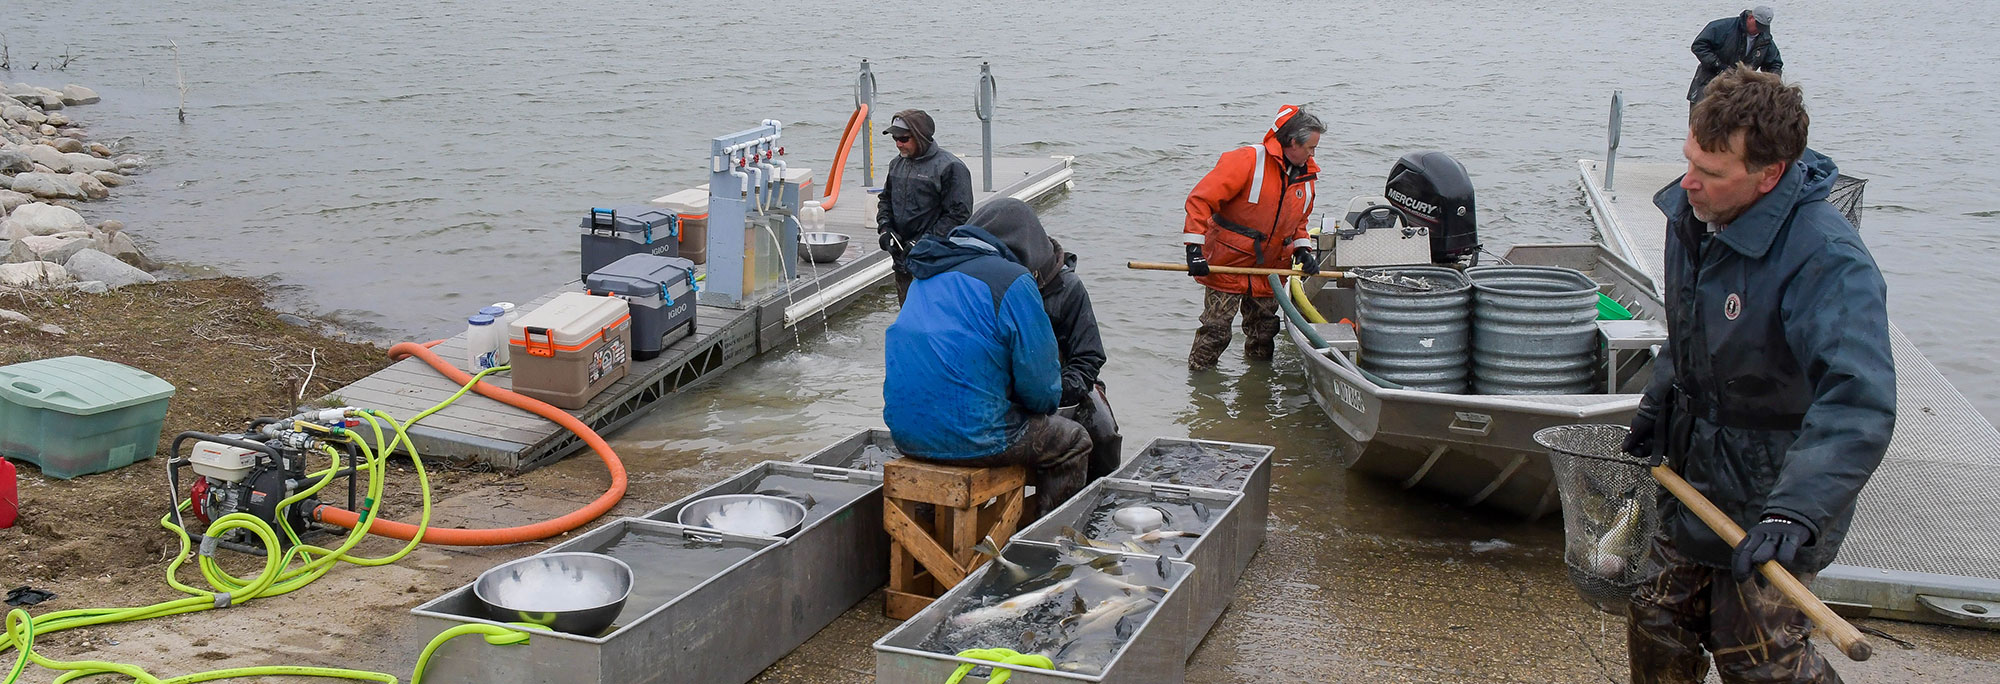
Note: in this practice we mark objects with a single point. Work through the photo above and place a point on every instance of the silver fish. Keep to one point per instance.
(1124, 586)
(1075, 556)
(1107, 614)
(1159, 535)
(987, 547)
(1071, 533)
(1016, 606)
(1608, 558)
(1094, 635)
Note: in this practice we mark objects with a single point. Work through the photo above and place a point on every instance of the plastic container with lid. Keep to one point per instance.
(571, 348)
(610, 234)
(506, 318)
(812, 217)
(482, 342)
(660, 291)
(691, 206)
(76, 415)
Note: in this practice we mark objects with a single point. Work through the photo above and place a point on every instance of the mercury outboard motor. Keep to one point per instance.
(1432, 191)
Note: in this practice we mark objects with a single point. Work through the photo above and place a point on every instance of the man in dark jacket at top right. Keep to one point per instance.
(1741, 39)
(1775, 395)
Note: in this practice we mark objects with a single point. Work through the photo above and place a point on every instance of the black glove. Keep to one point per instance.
(887, 241)
(1197, 264)
(1306, 261)
(1639, 441)
(1775, 538)
(1073, 393)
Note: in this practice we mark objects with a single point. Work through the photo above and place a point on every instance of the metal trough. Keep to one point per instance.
(1158, 461)
(1150, 655)
(837, 559)
(1217, 555)
(694, 592)
(864, 450)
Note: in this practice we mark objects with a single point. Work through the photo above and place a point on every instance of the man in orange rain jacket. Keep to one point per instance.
(1251, 210)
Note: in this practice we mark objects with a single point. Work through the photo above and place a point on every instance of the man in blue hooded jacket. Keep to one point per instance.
(1774, 397)
(974, 376)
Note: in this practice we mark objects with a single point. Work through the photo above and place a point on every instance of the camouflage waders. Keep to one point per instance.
(1689, 612)
(1260, 327)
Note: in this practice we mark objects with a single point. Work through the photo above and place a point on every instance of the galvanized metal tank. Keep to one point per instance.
(1534, 330)
(1416, 338)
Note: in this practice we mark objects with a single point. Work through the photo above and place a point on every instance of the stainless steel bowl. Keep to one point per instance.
(579, 593)
(822, 248)
(790, 514)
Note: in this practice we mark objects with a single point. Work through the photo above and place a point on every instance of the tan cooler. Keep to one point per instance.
(691, 205)
(568, 350)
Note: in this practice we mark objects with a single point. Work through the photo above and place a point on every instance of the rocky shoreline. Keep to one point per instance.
(49, 167)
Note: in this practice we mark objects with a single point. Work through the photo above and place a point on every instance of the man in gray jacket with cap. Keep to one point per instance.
(1726, 42)
(928, 191)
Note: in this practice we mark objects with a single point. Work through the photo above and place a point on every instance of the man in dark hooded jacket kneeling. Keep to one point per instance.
(974, 377)
(1068, 306)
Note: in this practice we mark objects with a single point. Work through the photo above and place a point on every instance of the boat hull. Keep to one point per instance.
(1477, 450)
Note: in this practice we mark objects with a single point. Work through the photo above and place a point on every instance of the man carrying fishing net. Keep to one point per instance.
(1774, 396)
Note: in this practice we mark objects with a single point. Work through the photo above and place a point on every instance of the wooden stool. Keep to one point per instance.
(970, 504)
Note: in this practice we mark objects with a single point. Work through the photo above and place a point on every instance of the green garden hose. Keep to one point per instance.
(275, 579)
(1305, 327)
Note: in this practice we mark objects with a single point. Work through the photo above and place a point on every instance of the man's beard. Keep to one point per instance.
(1721, 218)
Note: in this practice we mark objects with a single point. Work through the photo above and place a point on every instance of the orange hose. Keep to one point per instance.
(509, 535)
(840, 156)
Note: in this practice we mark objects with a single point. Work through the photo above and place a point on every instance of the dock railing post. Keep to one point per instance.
(982, 104)
(1617, 121)
(864, 94)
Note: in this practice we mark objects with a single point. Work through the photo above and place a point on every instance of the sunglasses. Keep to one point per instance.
(900, 138)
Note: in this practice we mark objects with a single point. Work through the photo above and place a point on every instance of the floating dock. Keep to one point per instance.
(1925, 544)
(505, 437)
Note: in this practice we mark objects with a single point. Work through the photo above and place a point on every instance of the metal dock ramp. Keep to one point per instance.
(1925, 544)
(509, 438)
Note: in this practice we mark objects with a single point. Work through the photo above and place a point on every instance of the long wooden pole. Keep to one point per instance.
(1835, 627)
(1235, 270)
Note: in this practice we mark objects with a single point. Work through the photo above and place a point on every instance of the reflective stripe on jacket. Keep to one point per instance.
(1250, 210)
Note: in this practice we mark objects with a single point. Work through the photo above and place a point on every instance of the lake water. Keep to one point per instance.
(396, 165)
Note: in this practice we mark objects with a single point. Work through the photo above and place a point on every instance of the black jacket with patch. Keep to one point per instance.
(1776, 390)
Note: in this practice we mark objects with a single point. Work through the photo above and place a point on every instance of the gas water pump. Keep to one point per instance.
(252, 472)
(749, 185)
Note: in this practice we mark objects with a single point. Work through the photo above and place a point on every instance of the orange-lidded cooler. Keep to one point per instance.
(568, 350)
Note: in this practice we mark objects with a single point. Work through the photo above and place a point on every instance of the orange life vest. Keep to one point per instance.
(1249, 211)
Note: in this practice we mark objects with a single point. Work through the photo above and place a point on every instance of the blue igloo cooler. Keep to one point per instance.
(660, 291)
(611, 234)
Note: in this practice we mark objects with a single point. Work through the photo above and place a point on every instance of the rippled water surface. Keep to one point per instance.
(396, 165)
